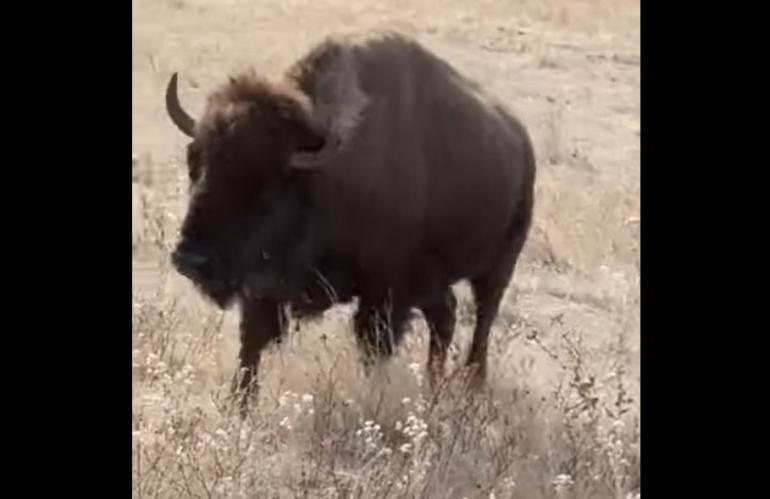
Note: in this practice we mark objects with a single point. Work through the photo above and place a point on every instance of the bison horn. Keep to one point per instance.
(179, 116)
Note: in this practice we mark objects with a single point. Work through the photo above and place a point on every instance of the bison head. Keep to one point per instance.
(247, 226)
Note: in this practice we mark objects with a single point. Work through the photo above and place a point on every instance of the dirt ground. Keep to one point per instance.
(570, 70)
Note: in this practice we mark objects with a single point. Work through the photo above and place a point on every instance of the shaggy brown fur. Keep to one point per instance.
(373, 170)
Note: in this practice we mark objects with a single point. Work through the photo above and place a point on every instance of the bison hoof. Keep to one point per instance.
(242, 401)
(476, 378)
(243, 394)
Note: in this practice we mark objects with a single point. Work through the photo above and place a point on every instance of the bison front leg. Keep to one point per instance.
(262, 321)
(378, 325)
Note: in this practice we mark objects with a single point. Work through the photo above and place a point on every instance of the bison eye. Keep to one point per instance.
(194, 172)
(193, 164)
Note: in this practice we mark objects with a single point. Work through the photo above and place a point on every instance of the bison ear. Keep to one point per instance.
(338, 105)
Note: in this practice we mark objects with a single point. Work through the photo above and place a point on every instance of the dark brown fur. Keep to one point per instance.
(372, 170)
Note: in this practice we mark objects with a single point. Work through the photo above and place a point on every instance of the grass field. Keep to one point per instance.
(561, 418)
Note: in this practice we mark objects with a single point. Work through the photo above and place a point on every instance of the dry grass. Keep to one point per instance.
(561, 418)
(322, 430)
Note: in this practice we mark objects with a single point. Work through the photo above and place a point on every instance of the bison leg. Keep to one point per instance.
(378, 326)
(488, 290)
(262, 321)
(488, 293)
(440, 316)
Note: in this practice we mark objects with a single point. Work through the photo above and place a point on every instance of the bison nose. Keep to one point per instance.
(188, 263)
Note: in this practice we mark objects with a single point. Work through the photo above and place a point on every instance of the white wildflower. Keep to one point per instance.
(562, 481)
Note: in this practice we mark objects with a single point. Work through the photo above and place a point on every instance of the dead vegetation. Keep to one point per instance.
(561, 418)
(324, 431)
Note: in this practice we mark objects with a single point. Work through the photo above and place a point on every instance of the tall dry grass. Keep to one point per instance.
(561, 417)
(323, 430)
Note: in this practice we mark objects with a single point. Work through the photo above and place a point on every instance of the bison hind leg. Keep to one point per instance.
(441, 318)
(488, 290)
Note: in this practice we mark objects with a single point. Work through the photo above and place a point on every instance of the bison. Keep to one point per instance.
(370, 170)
